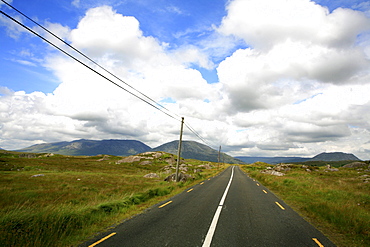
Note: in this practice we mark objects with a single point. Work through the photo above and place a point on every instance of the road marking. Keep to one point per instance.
(201, 183)
(258, 184)
(280, 206)
(212, 228)
(318, 242)
(189, 190)
(264, 191)
(165, 204)
(101, 240)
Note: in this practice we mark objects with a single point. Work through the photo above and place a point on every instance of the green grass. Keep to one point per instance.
(338, 203)
(76, 197)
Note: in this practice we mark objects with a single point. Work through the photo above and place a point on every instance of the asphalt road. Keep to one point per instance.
(230, 209)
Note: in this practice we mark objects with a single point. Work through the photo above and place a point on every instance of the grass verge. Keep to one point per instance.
(62, 201)
(336, 202)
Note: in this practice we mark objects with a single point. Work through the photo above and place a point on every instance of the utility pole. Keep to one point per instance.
(179, 151)
(219, 159)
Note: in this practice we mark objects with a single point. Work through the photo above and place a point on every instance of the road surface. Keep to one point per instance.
(230, 209)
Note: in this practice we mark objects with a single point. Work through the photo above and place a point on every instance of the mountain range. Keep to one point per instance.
(189, 150)
(334, 156)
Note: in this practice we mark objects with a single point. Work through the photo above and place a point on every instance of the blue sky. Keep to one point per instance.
(259, 77)
(173, 22)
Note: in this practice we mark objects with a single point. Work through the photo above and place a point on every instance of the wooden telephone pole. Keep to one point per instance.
(219, 157)
(179, 151)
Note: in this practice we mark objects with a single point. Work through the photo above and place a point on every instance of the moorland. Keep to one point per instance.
(56, 200)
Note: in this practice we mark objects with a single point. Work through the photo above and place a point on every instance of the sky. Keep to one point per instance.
(256, 77)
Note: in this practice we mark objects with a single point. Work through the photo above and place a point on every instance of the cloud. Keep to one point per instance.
(293, 44)
(264, 23)
(86, 105)
(299, 88)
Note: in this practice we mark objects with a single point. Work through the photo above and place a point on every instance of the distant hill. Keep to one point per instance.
(271, 160)
(190, 149)
(336, 156)
(90, 147)
(196, 150)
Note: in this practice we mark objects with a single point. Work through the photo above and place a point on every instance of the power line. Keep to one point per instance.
(88, 58)
(197, 134)
(87, 66)
(148, 100)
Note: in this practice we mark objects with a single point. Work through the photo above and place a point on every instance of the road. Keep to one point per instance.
(230, 209)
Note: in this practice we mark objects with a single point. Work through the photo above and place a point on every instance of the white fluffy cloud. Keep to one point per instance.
(282, 86)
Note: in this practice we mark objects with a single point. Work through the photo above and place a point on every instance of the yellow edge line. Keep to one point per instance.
(189, 190)
(258, 184)
(318, 242)
(202, 183)
(264, 191)
(164, 204)
(280, 206)
(101, 240)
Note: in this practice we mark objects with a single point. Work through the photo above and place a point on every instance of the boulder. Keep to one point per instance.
(145, 162)
(273, 172)
(130, 159)
(355, 165)
(37, 175)
(206, 166)
(331, 170)
(151, 175)
(182, 177)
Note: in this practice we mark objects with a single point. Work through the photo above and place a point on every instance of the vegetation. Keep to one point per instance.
(62, 200)
(335, 201)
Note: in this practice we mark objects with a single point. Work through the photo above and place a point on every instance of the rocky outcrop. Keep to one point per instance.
(151, 175)
(355, 165)
(182, 177)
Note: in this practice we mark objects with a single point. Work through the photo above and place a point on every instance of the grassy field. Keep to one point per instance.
(336, 202)
(61, 201)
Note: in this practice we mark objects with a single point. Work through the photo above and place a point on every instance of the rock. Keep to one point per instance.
(130, 159)
(37, 175)
(47, 155)
(182, 177)
(206, 166)
(151, 175)
(282, 167)
(331, 170)
(198, 170)
(170, 161)
(183, 169)
(355, 165)
(28, 156)
(304, 167)
(105, 157)
(145, 162)
(272, 172)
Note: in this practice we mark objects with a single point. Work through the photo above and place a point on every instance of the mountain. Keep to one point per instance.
(196, 150)
(271, 160)
(335, 156)
(90, 147)
(190, 149)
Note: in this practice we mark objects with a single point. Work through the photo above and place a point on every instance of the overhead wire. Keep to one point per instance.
(148, 100)
(197, 134)
(87, 66)
(88, 58)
